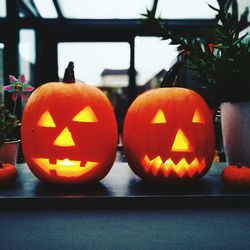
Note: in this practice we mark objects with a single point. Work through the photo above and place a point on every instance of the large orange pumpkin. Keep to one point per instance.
(69, 133)
(169, 135)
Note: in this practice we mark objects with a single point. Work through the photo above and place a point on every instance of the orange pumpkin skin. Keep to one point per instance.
(236, 177)
(69, 133)
(169, 135)
(8, 174)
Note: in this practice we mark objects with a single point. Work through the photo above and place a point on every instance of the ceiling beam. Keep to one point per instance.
(77, 28)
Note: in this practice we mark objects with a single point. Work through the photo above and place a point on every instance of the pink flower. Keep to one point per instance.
(18, 87)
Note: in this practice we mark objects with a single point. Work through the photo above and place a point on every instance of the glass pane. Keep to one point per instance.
(243, 4)
(153, 57)
(27, 55)
(101, 64)
(191, 9)
(1, 72)
(96, 63)
(104, 9)
(2, 8)
(46, 8)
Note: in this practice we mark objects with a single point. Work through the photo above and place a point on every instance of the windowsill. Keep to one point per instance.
(121, 188)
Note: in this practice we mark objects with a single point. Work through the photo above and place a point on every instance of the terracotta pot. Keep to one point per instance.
(8, 152)
(235, 122)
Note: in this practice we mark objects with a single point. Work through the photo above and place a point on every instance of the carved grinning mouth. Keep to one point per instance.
(180, 168)
(65, 167)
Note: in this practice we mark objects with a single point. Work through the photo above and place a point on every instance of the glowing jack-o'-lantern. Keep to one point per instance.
(169, 135)
(69, 133)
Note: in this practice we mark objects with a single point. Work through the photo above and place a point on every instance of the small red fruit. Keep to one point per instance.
(236, 176)
(8, 173)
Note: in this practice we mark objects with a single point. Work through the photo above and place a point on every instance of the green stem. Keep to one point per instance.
(14, 109)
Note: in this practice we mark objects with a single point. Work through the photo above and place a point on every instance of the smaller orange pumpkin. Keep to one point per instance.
(236, 176)
(8, 173)
(168, 135)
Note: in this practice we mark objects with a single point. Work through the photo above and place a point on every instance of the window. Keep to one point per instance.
(102, 64)
(27, 56)
(2, 8)
(46, 8)
(191, 9)
(96, 63)
(243, 4)
(128, 9)
(104, 9)
(153, 57)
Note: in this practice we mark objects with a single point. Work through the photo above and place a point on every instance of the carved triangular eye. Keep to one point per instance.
(159, 117)
(198, 117)
(46, 120)
(86, 115)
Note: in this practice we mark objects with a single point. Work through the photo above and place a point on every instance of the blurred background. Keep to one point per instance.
(108, 41)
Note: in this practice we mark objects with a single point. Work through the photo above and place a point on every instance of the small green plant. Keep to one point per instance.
(9, 125)
(220, 64)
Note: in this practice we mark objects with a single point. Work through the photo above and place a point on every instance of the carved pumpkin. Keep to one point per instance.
(236, 176)
(8, 173)
(169, 135)
(69, 133)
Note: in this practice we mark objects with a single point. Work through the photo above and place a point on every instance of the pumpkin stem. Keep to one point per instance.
(69, 75)
(239, 165)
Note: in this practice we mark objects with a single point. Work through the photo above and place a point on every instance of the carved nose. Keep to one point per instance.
(181, 143)
(64, 139)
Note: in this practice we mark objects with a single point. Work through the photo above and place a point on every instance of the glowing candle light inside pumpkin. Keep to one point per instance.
(169, 163)
(66, 162)
(181, 143)
(64, 139)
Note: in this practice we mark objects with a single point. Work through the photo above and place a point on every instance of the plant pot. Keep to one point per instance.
(235, 122)
(8, 152)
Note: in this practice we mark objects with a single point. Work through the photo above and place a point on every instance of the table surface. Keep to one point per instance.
(133, 229)
(123, 212)
(121, 188)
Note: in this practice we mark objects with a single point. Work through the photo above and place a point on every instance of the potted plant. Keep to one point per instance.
(9, 122)
(9, 140)
(222, 65)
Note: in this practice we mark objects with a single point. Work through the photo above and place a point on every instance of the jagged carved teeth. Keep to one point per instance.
(181, 168)
(65, 167)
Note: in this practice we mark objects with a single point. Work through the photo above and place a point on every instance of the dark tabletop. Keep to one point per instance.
(121, 188)
(123, 212)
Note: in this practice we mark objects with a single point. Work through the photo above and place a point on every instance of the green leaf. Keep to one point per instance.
(227, 5)
(239, 40)
(235, 12)
(213, 8)
(153, 10)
